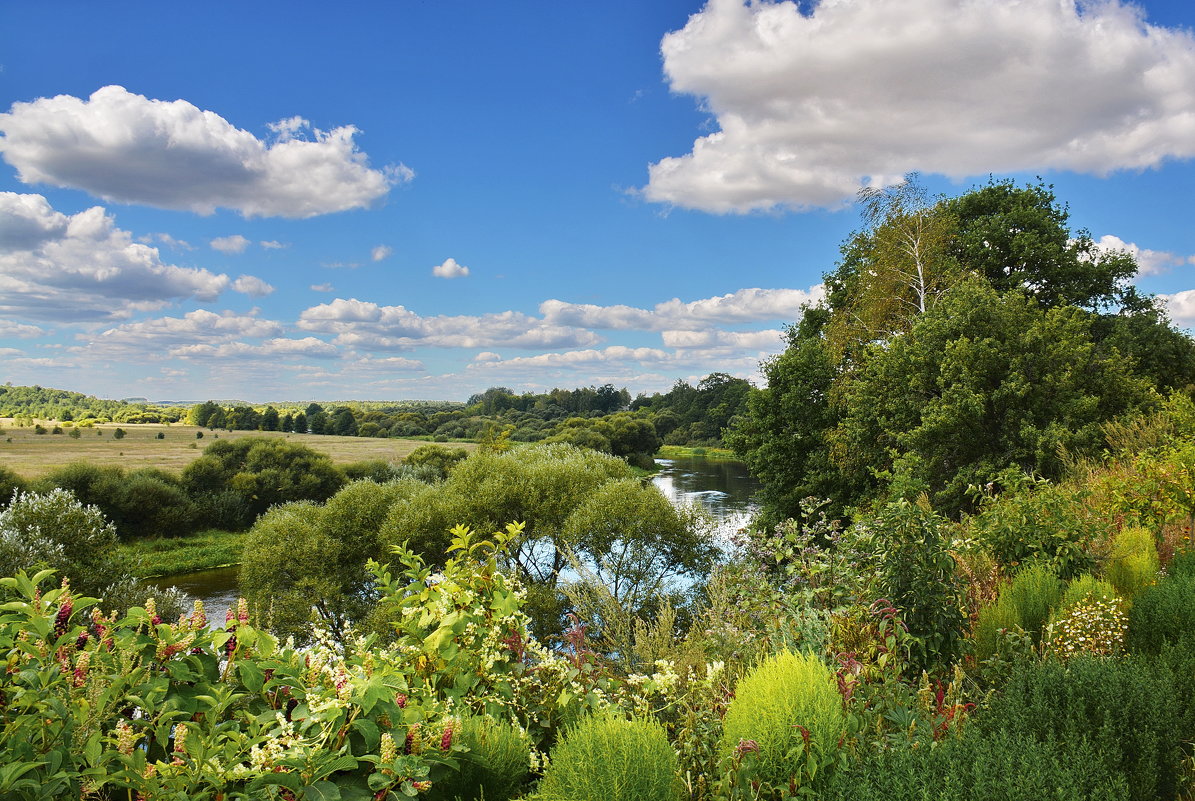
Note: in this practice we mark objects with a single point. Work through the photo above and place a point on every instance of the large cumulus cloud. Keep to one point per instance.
(811, 106)
(127, 148)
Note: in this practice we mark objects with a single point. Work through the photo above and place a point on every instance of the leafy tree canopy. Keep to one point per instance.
(958, 337)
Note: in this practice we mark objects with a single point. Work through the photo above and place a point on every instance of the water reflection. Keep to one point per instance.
(218, 589)
(722, 486)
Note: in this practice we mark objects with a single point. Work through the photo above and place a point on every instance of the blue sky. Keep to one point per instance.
(421, 200)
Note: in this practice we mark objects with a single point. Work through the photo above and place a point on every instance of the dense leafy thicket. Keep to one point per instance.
(958, 338)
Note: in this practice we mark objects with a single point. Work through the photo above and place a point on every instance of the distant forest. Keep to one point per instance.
(604, 418)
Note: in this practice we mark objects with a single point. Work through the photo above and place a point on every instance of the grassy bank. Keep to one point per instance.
(32, 455)
(169, 556)
(682, 451)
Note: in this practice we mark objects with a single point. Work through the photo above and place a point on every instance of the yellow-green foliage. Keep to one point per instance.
(606, 758)
(1133, 563)
(992, 619)
(1080, 588)
(494, 767)
(1091, 626)
(787, 716)
(1034, 593)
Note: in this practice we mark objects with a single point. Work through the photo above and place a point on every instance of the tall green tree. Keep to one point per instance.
(983, 382)
(1042, 338)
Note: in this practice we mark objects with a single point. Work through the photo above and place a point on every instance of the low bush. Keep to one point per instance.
(1025, 603)
(1133, 563)
(918, 576)
(607, 758)
(1182, 565)
(1124, 708)
(785, 723)
(10, 484)
(493, 769)
(993, 619)
(999, 766)
(1163, 613)
(1034, 592)
(1084, 587)
(1090, 626)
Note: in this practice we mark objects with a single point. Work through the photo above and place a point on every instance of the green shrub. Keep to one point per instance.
(494, 767)
(226, 510)
(10, 484)
(1133, 564)
(440, 458)
(1036, 521)
(1163, 613)
(605, 758)
(785, 721)
(999, 766)
(378, 470)
(1182, 565)
(1034, 593)
(1086, 586)
(919, 577)
(1125, 708)
(1091, 626)
(55, 530)
(997, 617)
(1179, 658)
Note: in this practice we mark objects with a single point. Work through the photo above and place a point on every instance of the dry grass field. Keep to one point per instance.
(32, 455)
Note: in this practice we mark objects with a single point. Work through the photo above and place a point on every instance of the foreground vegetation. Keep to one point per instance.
(1043, 648)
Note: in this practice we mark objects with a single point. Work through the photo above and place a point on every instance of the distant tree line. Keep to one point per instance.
(59, 404)
(601, 418)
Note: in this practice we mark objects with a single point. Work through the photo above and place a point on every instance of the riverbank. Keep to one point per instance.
(171, 556)
(686, 452)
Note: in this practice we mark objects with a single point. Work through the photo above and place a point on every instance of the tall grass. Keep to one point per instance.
(169, 556)
(1133, 564)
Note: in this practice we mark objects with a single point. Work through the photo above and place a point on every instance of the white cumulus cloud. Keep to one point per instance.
(368, 326)
(381, 252)
(80, 267)
(743, 306)
(252, 286)
(150, 337)
(230, 244)
(1151, 262)
(450, 269)
(770, 340)
(19, 330)
(127, 148)
(309, 347)
(810, 106)
(1181, 307)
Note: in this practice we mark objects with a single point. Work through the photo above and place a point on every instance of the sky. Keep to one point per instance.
(421, 200)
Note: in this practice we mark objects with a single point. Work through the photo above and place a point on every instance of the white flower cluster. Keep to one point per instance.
(1092, 626)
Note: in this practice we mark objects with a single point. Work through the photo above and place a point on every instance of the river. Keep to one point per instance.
(722, 486)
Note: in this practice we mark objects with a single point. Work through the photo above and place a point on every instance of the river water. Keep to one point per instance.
(722, 486)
